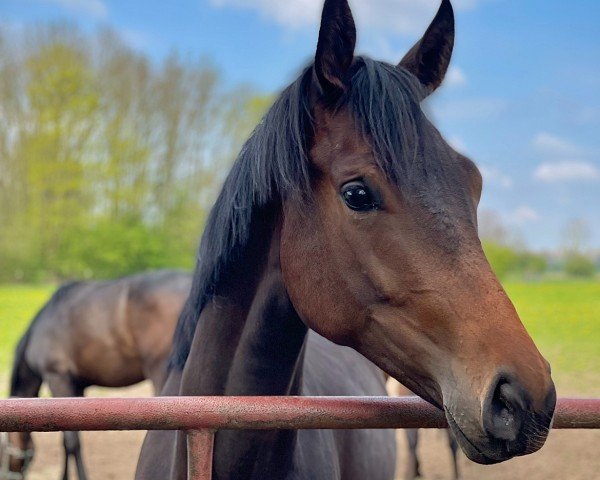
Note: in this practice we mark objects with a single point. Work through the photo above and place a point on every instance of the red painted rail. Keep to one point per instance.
(200, 417)
(196, 413)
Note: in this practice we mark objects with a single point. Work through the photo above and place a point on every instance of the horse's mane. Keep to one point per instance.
(273, 164)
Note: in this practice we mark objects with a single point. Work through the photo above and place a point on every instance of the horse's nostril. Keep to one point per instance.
(502, 416)
(511, 395)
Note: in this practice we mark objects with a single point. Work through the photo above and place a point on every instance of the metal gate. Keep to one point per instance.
(201, 417)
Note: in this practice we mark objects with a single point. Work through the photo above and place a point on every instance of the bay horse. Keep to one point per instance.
(110, 334)
(347, 213)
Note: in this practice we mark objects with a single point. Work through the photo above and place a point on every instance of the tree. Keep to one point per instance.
(576, 262)
(578, 265)
(576, 235)
(109, 163)
(506, 254)
(57, 150)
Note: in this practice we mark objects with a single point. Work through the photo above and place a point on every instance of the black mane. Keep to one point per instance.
(273, 164)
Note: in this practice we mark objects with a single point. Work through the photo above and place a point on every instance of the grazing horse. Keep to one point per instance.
(347, 213)
(111, 334)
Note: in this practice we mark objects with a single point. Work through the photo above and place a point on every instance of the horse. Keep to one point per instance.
(111, 334)
(344, 238)
(413, 465)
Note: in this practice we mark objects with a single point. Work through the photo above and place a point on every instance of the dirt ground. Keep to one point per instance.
(568, 455)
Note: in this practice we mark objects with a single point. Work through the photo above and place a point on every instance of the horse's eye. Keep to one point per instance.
(358, 197)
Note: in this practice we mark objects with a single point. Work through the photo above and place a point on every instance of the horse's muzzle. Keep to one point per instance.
(509, 425)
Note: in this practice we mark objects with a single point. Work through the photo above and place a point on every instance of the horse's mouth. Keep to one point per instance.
(468, 447)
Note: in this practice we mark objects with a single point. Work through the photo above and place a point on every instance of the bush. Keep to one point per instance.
(532, 263)
(111, 249)
(503, 259)
(578, 265)
(506, 261)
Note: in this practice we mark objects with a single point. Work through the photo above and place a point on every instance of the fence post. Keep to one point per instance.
(200, 454)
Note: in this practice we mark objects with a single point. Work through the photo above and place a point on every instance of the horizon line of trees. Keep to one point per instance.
(510, 257)
(109, 162)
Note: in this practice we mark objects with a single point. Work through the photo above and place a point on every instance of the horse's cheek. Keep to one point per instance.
(311, 281)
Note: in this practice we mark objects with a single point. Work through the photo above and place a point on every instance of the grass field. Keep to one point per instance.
(564, 320)
(562, 317)
(18, 305)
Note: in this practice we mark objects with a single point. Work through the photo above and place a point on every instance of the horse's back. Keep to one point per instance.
(54, 330)
(155, 302)
(333, 370)
(112, 333)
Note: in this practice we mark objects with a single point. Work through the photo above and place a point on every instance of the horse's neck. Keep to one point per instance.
(268, 359)
(250, 342)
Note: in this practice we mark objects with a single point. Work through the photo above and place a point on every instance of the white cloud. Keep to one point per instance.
(455, 77)
(493, 176)
(523, 215)
(552, 145)
(567, 171)
(397, 16)
(136, 39)
(564, 161)
(93, 8)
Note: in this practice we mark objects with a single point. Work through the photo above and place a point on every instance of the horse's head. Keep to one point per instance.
(385, 257)
(16, 453)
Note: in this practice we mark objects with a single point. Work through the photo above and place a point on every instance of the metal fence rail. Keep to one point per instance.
(200, 417)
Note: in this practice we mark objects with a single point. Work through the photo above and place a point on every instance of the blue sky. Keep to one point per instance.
(522, 98)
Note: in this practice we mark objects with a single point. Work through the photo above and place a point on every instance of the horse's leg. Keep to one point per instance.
(454, 449)
(81, 474)
(412, 468)
(64, 386)
(76, 448)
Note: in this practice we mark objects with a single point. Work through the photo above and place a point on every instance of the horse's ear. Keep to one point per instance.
(335, 49)
(428, 60)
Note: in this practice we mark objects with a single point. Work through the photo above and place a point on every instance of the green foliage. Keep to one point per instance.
(579, 265)
(109, 164)
(53, 151)
(112, 249)
(529, 263)
(507, 261)
(503, 259)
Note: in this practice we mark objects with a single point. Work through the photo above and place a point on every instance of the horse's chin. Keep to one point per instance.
(472, 452)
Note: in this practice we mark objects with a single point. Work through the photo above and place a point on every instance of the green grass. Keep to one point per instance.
(564, 320)
(562, 317)
(18, 305)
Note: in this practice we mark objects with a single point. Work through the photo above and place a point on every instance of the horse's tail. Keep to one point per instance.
(24, 381)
